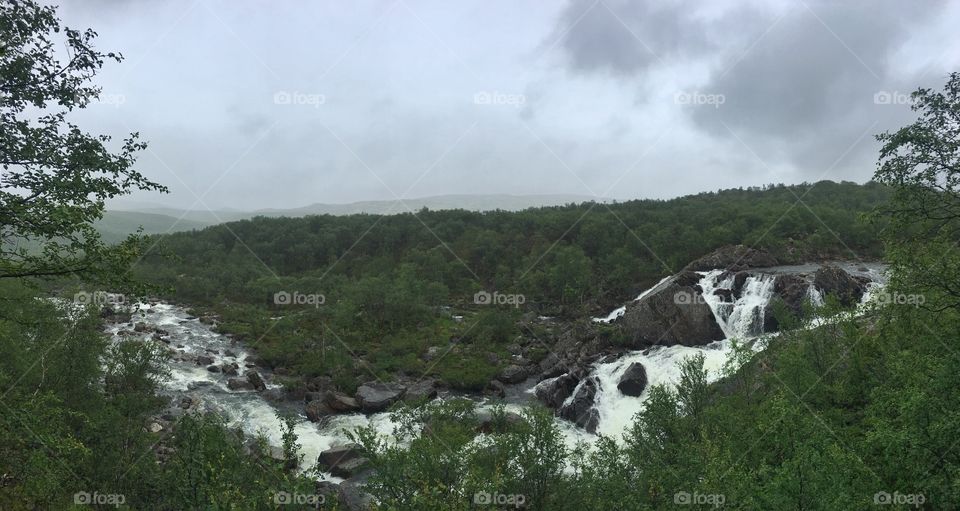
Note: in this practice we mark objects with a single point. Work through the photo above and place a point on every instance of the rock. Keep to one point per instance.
(349, 468)
(340, 402)
(792, 290)
(256, 381)
(204, 360)
(634, 380)
(496, 388)
(733, 257)
(337, 455)
(213, 369)
(487, 423)
(580, 410)
(239, 384)
(352, 496)
(141, 328)
(421, 392)
(154, 427)
(186, 402)
(726, 295)
(231, 369)
(738, 281)
(554, 392)
(514, 349)
(687, 278)
(672, 314)
(832, 280)
(326, 489)
(513, 373)
(230, 353)
(376, 397)
(317, 410)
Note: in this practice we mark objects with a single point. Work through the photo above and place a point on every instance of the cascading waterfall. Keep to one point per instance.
(743, 317)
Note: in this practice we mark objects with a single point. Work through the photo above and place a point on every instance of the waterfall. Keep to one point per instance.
(743, 317)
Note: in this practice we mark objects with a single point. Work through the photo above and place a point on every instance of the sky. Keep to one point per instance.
(250, 104)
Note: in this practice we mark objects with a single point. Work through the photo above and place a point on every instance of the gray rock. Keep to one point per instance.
(256, 381)
(337, 455)
(239, 384)
(733, 257)
(634, 380)
(340, 402)
(832, 280)
(376, 397)
(348, 469)
(513, 373)
(204, 360)
(580, 410)
(553, 393)
(317, 410)
(421, 392)
(673, 314)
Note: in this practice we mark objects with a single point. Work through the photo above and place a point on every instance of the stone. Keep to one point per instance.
(340, 402)
(421, 392)
(239, 384)
(633, 381)
(513, 373)
(256, 381)
(581, 410)
(317, 410)
(376, 397)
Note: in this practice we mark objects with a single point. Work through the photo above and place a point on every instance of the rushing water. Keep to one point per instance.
(252, 412)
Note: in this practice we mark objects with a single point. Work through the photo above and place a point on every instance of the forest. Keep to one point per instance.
(858, 412)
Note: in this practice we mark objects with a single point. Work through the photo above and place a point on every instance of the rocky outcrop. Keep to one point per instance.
(676, 313)
(734, 258)
(376, 397)
(580, 409)
(554, 392)
(831, 280)
(256, 381)
(633, 381)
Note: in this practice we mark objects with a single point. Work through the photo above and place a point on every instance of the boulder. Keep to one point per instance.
(832, 280)
(673, 314)
(256, 381)
(733, 257)
(204, 360)
(376, 397)
(339, 402)
(239, 384)
(496, 388)
(738, 281)
(350, 468)
(337, 455)
(213, 369)
(634, 380)
(580, 409)
(792, 290)
(554, 392)
(231, 369)
(317, 410)
(513, 373)
(421, 392)
(352, 496)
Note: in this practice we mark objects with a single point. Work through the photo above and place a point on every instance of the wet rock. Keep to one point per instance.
(352, 496)
(634, 380)
(337, 455)
(673, 314)
(376, 397)
(186, 402)
(496, 388)
(154, 427)
(204, 360)
(231, 369)
(738, 282)
(317, 410)
(256, 381)
(239, 384)
(513, 373)
(554, 392)
(832, 280)
(340, 402)
(141, 328)
(348, 469)
(725, 295)
(213, 369)
(580, 410)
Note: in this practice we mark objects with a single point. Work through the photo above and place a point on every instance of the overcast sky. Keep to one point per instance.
(281, 104)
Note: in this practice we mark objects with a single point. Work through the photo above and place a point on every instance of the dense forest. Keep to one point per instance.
(392, 284)
(858, 412)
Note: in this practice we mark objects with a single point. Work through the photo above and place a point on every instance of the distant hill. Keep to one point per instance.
(124, 216)
(117, 225)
